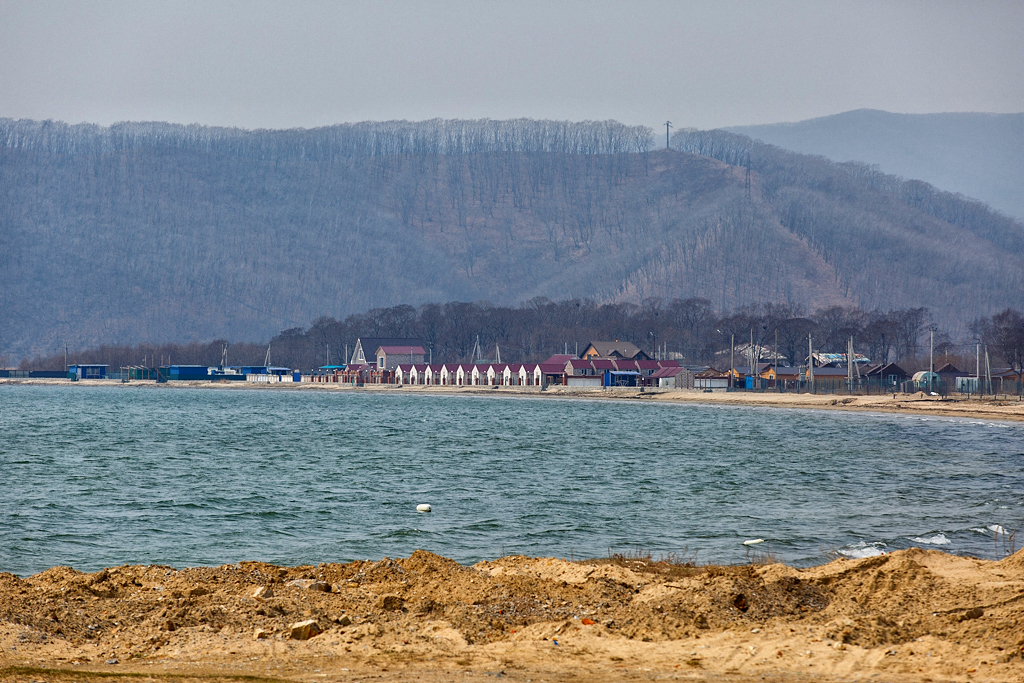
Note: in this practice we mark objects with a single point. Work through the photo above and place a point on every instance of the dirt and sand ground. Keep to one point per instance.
(912, 615)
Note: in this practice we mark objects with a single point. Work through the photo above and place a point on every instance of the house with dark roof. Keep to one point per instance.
(888, 375)
(613, 350)
(366, 347)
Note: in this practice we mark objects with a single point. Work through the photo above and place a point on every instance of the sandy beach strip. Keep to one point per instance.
(1005, 407)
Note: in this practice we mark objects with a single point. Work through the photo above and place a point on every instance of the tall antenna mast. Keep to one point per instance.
(266, 361)
(668, 124)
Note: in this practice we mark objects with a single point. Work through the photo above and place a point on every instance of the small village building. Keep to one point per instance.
(366, 348)
(887, 375)
(673, 378)
(494, 375)
(552, 373)
(613, 349)
(782, 377)
(584, 380)
(410, 374)
(745, 376)
(478, 375)
(949, 373)
(432, 375)
(449, 374)
(711, 380)
(92, 371)
(201, 372)
(389, 357)
(925, 380)
(827, 379)
(535, 376)
(621, 378)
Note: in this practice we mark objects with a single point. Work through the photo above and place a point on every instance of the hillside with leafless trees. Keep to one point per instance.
(156, 233)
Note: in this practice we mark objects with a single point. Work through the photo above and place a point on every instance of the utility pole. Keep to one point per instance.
(777, 358)
(750, 353)
(668, 124)
(988, 373)
(732, 357)
(931, 361)
(977, 367)
(810, 363)
(65, 357)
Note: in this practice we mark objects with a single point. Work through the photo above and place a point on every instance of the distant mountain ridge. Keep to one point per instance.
(977, 154)
(156, 232)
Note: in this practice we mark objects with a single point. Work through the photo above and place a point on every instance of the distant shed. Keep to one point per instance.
(87, 371)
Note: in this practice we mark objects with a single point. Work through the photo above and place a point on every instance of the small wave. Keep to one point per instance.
(997, 529)
(937, 539)
(861, 550)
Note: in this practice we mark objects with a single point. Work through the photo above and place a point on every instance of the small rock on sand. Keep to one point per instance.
(263, 592)
(321, 586)
(261, 634)
(390, 603)
(168, 626)
(304, 630)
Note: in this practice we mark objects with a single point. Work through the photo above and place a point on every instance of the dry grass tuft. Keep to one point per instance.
(644, 562)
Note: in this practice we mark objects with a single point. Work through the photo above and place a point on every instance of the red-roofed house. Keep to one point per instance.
(673, 378)
(553, 373)
(432, 374)
(388, 357)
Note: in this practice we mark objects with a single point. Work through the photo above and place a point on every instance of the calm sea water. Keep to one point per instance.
(94, 477)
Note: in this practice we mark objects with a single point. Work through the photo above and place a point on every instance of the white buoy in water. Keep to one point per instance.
(753, 541)
(423, 507)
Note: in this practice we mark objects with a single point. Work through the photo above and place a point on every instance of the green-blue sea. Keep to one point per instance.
(100, 476)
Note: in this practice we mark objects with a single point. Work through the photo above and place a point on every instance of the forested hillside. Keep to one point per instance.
(979, 155)
(155, 232)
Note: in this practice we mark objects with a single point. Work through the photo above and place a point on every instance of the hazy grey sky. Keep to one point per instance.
(705, 64)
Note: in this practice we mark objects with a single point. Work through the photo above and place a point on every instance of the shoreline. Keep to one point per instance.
(1006, 409)
(911, 615)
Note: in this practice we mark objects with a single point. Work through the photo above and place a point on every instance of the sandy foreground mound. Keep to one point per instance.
(912, 615)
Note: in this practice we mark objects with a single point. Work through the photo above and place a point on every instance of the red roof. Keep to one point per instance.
(553, 368)
(668, 372)
(415, 350)
(561, 358)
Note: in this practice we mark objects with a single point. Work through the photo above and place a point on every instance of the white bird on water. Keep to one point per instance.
(423, 507)
(754, 541)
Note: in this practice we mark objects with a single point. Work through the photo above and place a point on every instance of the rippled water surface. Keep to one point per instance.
(95, 476)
